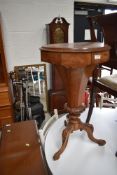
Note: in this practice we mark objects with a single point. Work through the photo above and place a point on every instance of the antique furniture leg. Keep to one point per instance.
(65, 136)
(91, 104)
(93, 93)
(78, 78)
(92, 97)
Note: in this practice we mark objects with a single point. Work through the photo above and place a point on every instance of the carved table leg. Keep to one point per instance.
(74, 123)
(65, 137)
(88, 129)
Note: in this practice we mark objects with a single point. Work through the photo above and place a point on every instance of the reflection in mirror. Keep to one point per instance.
(36, 80)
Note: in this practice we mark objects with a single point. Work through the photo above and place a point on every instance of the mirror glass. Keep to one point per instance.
(35, 76)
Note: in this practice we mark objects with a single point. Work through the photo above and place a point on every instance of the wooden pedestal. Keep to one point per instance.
(75, 63)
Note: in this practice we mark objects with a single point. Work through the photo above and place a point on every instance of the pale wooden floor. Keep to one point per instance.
(82, 156)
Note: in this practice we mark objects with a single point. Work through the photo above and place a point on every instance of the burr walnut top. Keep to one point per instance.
(74, 55)
(76, 47)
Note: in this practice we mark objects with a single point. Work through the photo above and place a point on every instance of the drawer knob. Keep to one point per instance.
(8, 130)
(27, 145)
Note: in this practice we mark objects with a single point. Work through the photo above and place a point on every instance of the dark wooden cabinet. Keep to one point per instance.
(6, 109)
(57, 32)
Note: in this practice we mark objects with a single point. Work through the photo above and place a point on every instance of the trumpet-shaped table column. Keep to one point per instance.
(75, 62)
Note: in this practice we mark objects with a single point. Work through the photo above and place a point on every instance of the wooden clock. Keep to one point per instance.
(6, 109)
(57, 32)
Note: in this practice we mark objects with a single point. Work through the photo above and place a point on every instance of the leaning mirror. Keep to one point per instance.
(36, 78)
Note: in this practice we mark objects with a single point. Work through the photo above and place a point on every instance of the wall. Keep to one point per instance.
(24, 22)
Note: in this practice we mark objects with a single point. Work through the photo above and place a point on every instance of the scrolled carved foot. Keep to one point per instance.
(101, 142)
(65, 137)
(56, 156)
(89, 129)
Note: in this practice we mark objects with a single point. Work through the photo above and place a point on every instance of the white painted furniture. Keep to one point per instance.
(106, 100)
(43, 131)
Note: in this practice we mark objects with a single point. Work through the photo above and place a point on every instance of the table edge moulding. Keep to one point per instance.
(75, 63)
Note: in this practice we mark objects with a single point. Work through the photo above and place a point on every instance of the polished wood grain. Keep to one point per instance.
(20, 150)
(6, 105)
(75, 63)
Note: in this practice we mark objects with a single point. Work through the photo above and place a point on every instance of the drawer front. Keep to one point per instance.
(5, 111)
(6, 115)
(100, 57)
(4, 98)
(6, 120)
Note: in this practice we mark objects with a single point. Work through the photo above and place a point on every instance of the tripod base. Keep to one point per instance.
(74, 123)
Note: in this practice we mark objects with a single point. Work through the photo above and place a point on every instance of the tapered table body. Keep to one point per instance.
(75, 62)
